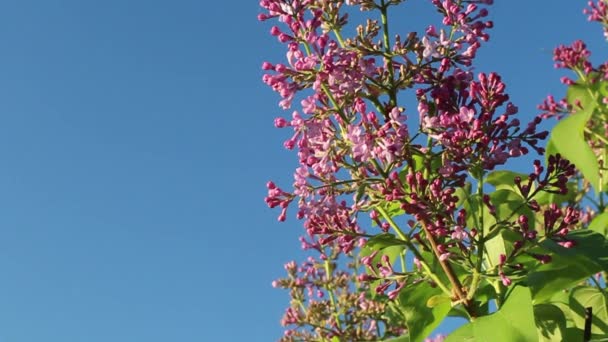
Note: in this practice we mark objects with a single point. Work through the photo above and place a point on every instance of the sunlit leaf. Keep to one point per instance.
(421, 318)
(586, 296)
(599, 224)
(514, 322)
(568, 137)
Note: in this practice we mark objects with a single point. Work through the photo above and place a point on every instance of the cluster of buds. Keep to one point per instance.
(324, 305)
(555, 179)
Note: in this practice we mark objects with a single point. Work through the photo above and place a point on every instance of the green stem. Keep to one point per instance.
(350, 181)
(327, 92)
(595, 135)
(379, 168)
(500, 294)
(403, 263)
(408, 242)
(480, 243)
(388, 53)
(332, 298)
(457, 288)
(339, 37)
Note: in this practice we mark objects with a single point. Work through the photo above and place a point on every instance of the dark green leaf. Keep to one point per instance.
(573, 334)
(589, 244)
(556, 276)
(404, 338)
(569, 265)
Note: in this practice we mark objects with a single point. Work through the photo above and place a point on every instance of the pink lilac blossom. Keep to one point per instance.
(466, 123)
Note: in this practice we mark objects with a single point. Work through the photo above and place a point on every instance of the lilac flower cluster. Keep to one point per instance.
(574, 57)
(466, 125)
(598, 11)
(343, 146)
(359, 152)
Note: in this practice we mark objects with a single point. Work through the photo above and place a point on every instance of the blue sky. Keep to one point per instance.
(136, 139)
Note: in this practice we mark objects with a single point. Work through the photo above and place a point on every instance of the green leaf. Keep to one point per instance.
(404, 338)
(435, 266)
(599, 224)
(463, 193)
(601, 86)
(569, 265)
(514, 322)
(393, 209)
(392, 251)
(485, 293)
(562, 301)
(501, 243)
(509, 205)
(580, 92)
(382, 241)
(503, 179)
(568, 137)
(437, 300)
(418, 161)
(589, 244)
(422, 319)
(421, 161)
(550, 321)
(387, 244)
(573, 334)
(586, 296)
(556, 276)
(471, 205)
(543, 197)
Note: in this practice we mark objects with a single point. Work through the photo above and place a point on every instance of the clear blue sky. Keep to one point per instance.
(136, 138)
